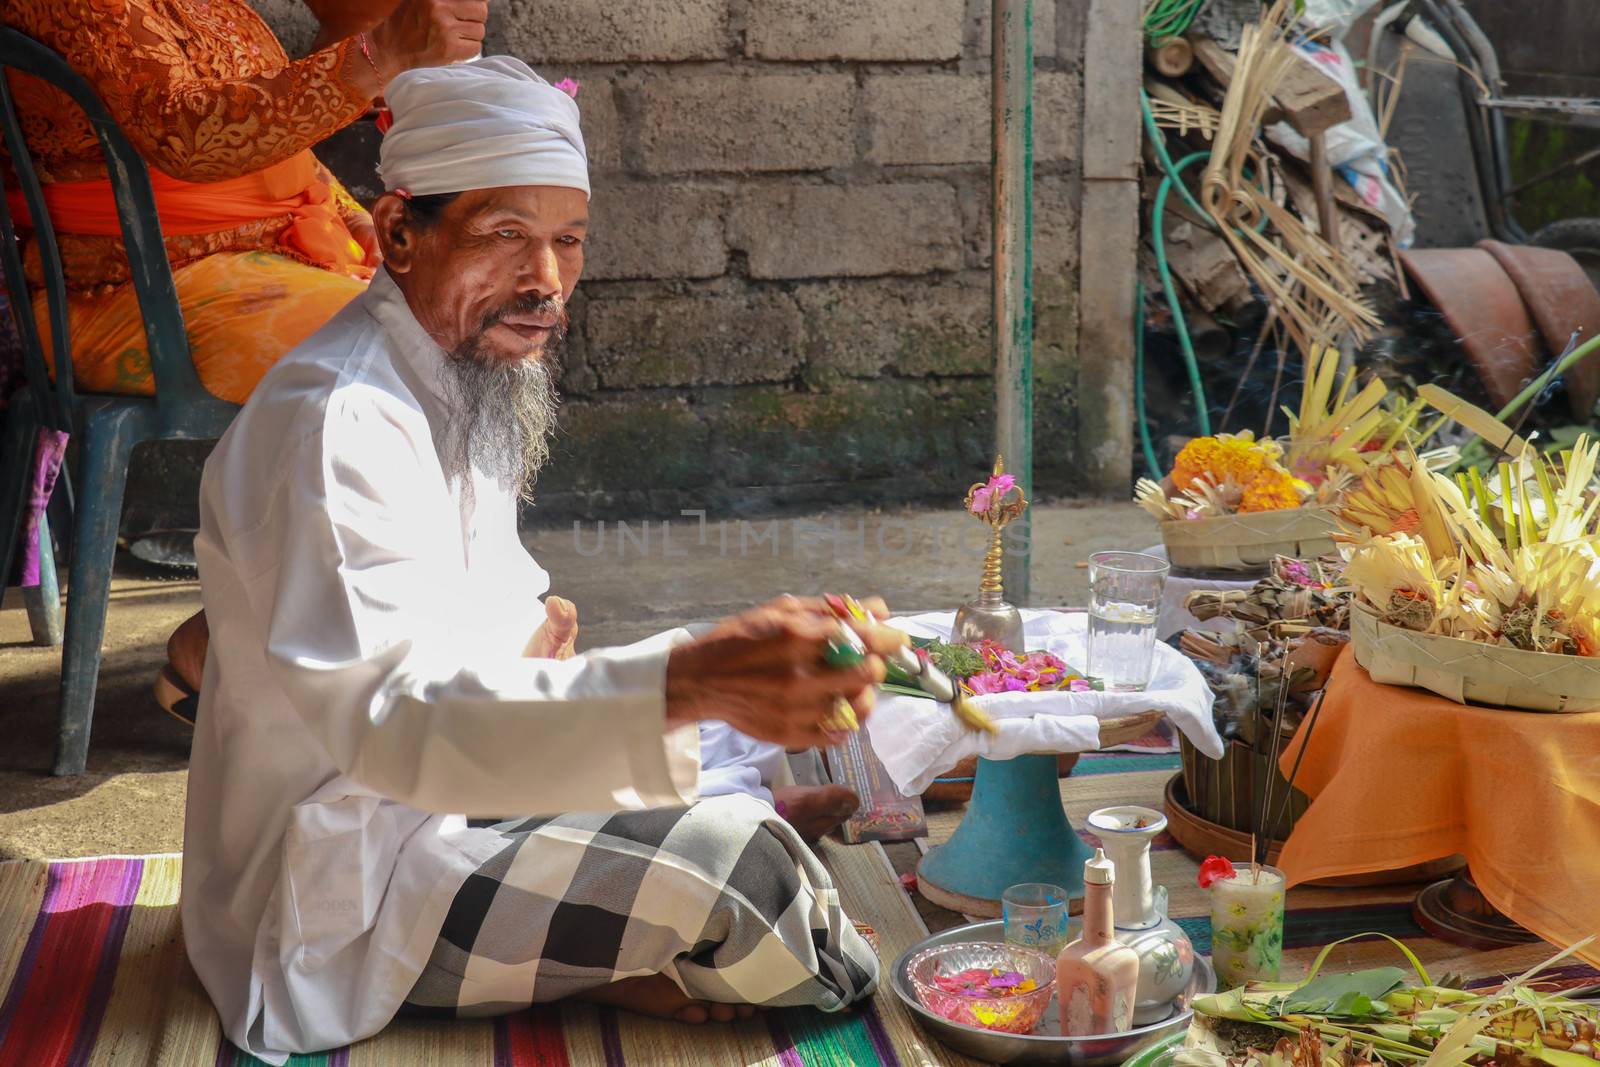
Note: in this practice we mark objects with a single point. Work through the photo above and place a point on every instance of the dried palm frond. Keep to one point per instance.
(1380, 503)
(1496, 433)
(1312, 287)
(1185, 117)
(1153, 498)
(1336, 482)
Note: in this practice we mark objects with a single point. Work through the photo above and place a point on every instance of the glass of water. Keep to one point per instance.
(1124, 603)
(1035, 915)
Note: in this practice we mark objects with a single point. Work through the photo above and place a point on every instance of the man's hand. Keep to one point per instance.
(428, 33)
(763, 673)
(557, 636)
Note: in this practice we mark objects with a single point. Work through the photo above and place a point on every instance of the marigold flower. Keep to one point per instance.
(1226, 457)
(1270, 490)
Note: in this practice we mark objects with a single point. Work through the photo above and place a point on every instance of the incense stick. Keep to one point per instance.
(1305, 743)
(1255, 820)
(1263, 828)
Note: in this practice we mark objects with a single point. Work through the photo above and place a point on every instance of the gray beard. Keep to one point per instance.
(502, 415)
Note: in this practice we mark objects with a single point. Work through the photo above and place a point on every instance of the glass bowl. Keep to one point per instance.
(1016, 1014)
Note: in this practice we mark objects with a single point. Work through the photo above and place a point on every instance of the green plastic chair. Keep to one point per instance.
(104, 429)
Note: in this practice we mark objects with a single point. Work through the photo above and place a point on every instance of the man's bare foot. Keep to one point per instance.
(186, 649)
(815, 809)
(658, 996)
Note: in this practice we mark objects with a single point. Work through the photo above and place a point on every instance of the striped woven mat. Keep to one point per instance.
(93, 972)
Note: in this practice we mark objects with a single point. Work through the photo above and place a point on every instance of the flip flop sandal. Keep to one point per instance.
(176, 698)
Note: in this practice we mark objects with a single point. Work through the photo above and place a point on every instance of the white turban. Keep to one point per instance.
(480, 125)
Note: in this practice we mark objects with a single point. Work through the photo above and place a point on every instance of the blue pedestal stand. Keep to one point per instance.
(1015, 831)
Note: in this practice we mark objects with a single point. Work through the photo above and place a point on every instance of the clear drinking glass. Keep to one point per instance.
(1035, 915)
(1247, 926)
(1124, 604)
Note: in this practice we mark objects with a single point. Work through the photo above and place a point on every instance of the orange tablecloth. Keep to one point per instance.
(1400, 776)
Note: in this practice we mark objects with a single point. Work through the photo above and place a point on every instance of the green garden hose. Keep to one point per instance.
(1158, 141)
(1173, 177)
(1169, 18)
(1158, 237)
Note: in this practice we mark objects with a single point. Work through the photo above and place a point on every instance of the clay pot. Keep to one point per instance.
(1482, 305)
(1561, 298)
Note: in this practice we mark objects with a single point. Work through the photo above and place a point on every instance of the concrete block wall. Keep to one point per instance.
(787, 294)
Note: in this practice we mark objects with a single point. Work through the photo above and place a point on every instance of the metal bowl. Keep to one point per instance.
(1102, 1051)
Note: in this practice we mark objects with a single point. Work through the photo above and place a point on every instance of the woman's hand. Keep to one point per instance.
(366, 235)
(338, 19)
(763, 673)
(428, 33)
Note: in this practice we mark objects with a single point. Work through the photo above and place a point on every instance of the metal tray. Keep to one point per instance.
(1024, 1049)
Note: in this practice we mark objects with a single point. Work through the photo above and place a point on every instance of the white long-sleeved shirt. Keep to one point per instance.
(365, 681)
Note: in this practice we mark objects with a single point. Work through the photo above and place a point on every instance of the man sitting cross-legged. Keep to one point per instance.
(366, 683)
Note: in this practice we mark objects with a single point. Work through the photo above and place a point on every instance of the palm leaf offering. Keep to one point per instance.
(1376, 1017)
(1510, 560)
(1339, 428)
(1339, 433)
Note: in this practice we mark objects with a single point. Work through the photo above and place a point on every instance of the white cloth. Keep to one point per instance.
(917, 739)
(1175, 616)
(731, 762)
(480, 125)
(364, 678)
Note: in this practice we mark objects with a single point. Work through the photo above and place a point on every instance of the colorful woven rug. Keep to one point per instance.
(93, 972)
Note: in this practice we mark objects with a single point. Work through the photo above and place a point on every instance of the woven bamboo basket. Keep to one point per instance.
(1228, 791)
(1243, 542)
(1471, 672)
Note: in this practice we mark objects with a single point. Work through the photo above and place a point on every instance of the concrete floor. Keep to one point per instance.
(626, 586)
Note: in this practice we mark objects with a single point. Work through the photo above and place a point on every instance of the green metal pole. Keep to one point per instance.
(1012, 91)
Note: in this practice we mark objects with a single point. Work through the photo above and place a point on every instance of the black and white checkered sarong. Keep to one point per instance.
(723, 897)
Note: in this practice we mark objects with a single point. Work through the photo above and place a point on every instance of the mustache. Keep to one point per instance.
(531, 304)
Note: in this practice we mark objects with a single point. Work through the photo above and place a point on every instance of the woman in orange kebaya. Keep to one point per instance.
(265, 244)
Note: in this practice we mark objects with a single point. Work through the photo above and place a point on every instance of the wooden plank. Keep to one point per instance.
(1311, 101)
(1308, 99)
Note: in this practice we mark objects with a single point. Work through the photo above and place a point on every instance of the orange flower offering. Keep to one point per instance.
(1271, 490)
(1225, 474)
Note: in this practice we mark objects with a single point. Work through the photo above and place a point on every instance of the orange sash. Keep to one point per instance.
(291, 187)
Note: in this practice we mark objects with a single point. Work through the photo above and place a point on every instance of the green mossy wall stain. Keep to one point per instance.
(1537, 148)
